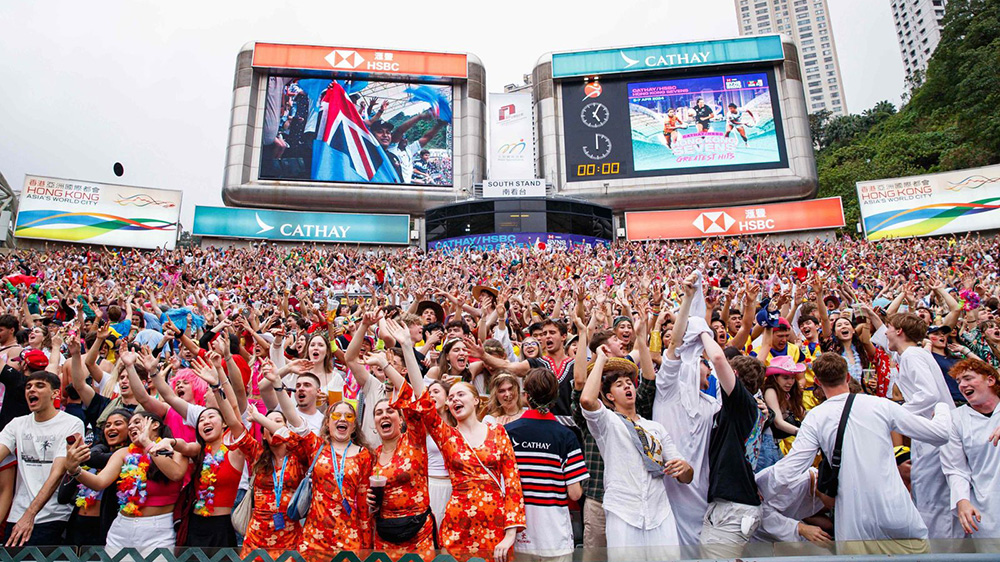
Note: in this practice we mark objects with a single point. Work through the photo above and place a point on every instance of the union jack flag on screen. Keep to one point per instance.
(347, 151)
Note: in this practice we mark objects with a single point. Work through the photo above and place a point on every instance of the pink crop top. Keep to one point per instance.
(159, 494)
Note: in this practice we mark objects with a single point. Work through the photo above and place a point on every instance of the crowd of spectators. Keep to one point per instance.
(693, 395)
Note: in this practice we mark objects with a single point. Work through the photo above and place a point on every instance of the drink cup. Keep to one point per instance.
(377, 484)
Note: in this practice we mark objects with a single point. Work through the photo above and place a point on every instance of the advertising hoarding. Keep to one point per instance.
(293, 226)
(664, 57)
(814, 214)
(97, 213)
(512, 136)
(623, 129)
(353, 59)
(931, 204)
(357, 131)
(491, 242)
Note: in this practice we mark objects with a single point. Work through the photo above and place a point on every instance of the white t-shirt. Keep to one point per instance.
(36, 446)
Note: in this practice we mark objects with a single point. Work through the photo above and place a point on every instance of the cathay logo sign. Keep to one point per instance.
(666, 60)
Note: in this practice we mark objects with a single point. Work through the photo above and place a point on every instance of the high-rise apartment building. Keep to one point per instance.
(807, 22)
(918, 30)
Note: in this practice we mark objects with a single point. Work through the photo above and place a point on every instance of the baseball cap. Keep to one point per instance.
(944, 330)
(35, 359)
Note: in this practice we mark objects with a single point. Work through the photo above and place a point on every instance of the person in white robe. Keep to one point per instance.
(922, 386)
(686, 412)
(871, 505)
(971, 459)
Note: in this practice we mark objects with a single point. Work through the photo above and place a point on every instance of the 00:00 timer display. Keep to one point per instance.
(593, 169)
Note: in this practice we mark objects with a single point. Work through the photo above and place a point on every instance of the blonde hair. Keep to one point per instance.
(493, 406)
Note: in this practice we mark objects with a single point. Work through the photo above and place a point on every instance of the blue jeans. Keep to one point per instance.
(769, 452)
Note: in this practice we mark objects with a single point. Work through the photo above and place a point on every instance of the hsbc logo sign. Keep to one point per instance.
(714, 222)
(353, 60)
(347, 60)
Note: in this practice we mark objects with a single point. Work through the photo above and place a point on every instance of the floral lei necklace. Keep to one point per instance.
(132, 483)
(85, 497)
(205, 503)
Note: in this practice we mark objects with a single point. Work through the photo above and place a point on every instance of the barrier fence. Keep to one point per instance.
(939, 551)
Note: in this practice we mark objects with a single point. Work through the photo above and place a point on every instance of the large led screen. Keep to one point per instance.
(672, 125)
(352, 131)
(694, 122)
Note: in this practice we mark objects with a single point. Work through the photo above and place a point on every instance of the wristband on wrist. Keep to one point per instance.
(75, 473)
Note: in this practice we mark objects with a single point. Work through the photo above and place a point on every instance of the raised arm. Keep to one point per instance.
(401, 334)
(78, 374)
(147, 402)
(723, 370)
(590, 396)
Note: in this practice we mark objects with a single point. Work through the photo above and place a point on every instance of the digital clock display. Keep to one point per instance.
(603, 169)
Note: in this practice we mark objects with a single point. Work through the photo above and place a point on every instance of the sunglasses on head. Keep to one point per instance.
(347, 417)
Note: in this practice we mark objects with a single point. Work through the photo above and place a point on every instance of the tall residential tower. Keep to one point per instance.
(807, 22)
(918, 30)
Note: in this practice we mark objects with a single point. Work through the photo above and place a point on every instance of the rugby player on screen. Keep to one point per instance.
(736, 119)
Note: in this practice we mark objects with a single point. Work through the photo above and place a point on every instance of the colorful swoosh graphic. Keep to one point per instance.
(74, 227)
(971, 182)
(143, 200)
(929, 218)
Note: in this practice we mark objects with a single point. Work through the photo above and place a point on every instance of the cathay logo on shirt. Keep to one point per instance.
(531, 445)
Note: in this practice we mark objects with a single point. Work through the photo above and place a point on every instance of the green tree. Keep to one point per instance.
(950, 120)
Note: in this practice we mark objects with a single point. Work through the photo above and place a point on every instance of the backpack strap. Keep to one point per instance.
(838, 446)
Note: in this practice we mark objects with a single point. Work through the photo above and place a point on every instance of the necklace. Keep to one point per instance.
(132, 482)
(205, 504)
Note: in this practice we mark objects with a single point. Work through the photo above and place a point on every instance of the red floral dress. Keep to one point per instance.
(479, 511)
(329, 528)
(261, 532)
(406, 481)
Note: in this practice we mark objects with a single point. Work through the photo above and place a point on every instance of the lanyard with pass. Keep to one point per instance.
(338, 473)
(279, 484)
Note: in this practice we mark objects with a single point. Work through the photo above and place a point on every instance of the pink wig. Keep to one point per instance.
(198, 386)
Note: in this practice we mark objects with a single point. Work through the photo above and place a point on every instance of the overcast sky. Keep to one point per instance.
(149, 84)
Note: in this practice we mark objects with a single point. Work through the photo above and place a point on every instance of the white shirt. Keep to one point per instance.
(970, 463)
(922, 386)
(373, 390)
(36, 446)
(630, 492)
(687, 414)
(783, 507)
(873, 503)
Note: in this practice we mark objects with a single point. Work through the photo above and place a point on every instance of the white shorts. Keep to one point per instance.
(439, 490)
(144, 534)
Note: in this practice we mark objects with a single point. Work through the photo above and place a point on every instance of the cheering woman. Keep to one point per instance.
(403, 520)
(275, 473)
(149, 474)
(486, 508)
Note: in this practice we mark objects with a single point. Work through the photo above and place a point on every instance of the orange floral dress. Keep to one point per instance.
(406, 481)
(329, 528)
(261, 532)
(479, 511)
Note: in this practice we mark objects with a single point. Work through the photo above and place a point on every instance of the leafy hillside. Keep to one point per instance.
(952, 119)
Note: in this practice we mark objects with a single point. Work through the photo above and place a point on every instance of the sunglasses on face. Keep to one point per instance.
(349, 417)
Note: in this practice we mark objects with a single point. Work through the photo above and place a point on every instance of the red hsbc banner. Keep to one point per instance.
(383, 61)
(813, 214)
